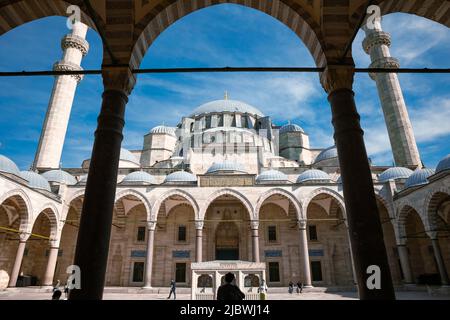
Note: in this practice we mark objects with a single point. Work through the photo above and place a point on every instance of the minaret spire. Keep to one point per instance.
(51, 142)
(226, 95)
(401, 135)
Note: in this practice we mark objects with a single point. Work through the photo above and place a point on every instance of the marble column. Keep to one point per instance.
(92, 249)
(440, 261)
(17, 262)
(255, 240)
(304, 254)
(151, 226)
(51, 265)
(365, 230)
(198, 240)
(405, 264)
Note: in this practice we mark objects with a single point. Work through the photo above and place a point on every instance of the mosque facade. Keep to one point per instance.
(226, 184)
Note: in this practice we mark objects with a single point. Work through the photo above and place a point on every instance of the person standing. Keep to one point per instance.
(262, 290)
(229, 291)
(173, 287)
(291, 287)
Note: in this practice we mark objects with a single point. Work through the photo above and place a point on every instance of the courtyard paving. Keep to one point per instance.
(37, 293)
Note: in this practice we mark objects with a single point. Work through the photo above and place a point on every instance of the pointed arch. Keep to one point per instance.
(138, 195)
(26, 209)
(52, 213)
(279, 191)
(291, 14)
(176, 192)
(230, 192)
(332, 193)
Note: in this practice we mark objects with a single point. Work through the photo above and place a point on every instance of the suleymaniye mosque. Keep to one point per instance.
(227, 189)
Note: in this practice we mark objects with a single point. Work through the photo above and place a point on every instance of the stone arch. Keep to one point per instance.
(334, 194)
(138, 195)
(279, 191)
(52, 213)
(178, 192)
(243, 199)
(431, 203)
(403, 212)
(292, 15)
(19, 12)
(25, 208)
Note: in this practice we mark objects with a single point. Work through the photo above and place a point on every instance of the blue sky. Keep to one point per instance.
(223, 35)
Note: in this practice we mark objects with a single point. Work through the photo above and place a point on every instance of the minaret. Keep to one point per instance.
(401, 135)
(51, 142)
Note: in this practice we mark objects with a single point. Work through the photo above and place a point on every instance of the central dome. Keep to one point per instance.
(219, 106)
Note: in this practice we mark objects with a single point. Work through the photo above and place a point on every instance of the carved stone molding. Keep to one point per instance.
(119, 78)
(377, 38)
(151, 225)
(69, 66)
(199, 224)
(337, 77)
(385, 62)
(73, 41)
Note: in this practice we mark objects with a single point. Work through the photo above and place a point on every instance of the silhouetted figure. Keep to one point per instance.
(262, 290)
(173, 287)
(56, 291)
(291, 287)
(299, 287)
(229, 291)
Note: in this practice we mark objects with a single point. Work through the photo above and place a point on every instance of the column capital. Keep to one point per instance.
(302, 224)
(337, 77)
(254, 224)
(151, 225)
(23, 236)
(118, 78)
(199, 224)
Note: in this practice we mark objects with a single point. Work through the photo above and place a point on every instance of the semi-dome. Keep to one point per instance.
(35, 180)
(291, 128)
(126, 155)
(139, 177)
(313, 175)
(163, 130)
(8, 166)
(226, 166)
(219, 106)
(60, 176)
(271, 176)
(180, 177)
(395, 173)
(418, 178)
(328, 153)
(444, 164)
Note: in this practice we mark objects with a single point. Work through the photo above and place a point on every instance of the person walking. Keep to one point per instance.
(56, 291)
(229, 291)
(299, 287)
(173, 287)
(291, 287)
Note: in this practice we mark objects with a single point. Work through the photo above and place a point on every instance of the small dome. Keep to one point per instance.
(444, 164)
(313, 175)
(328, 153)
(418, 178)
(180, 177)
(60, 176)
(291, 128)
(163, 130)
(395, 173)
(7, 165)
(139, 177)
(271, 176)
(227, 166)
(219, 106)
(126, 155)
(35, 180)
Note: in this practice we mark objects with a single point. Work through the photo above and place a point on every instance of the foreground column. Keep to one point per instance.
(51, 265)
(198, 240)
(405, 264)
(91, 254)
(18, 261)
(366, 233)
(304, 253)
(440, 261)
(255, 240)
(149, 256)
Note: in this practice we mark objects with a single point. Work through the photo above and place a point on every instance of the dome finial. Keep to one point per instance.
(226, 95)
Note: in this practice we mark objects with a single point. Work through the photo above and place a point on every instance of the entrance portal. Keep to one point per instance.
(227, 241)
